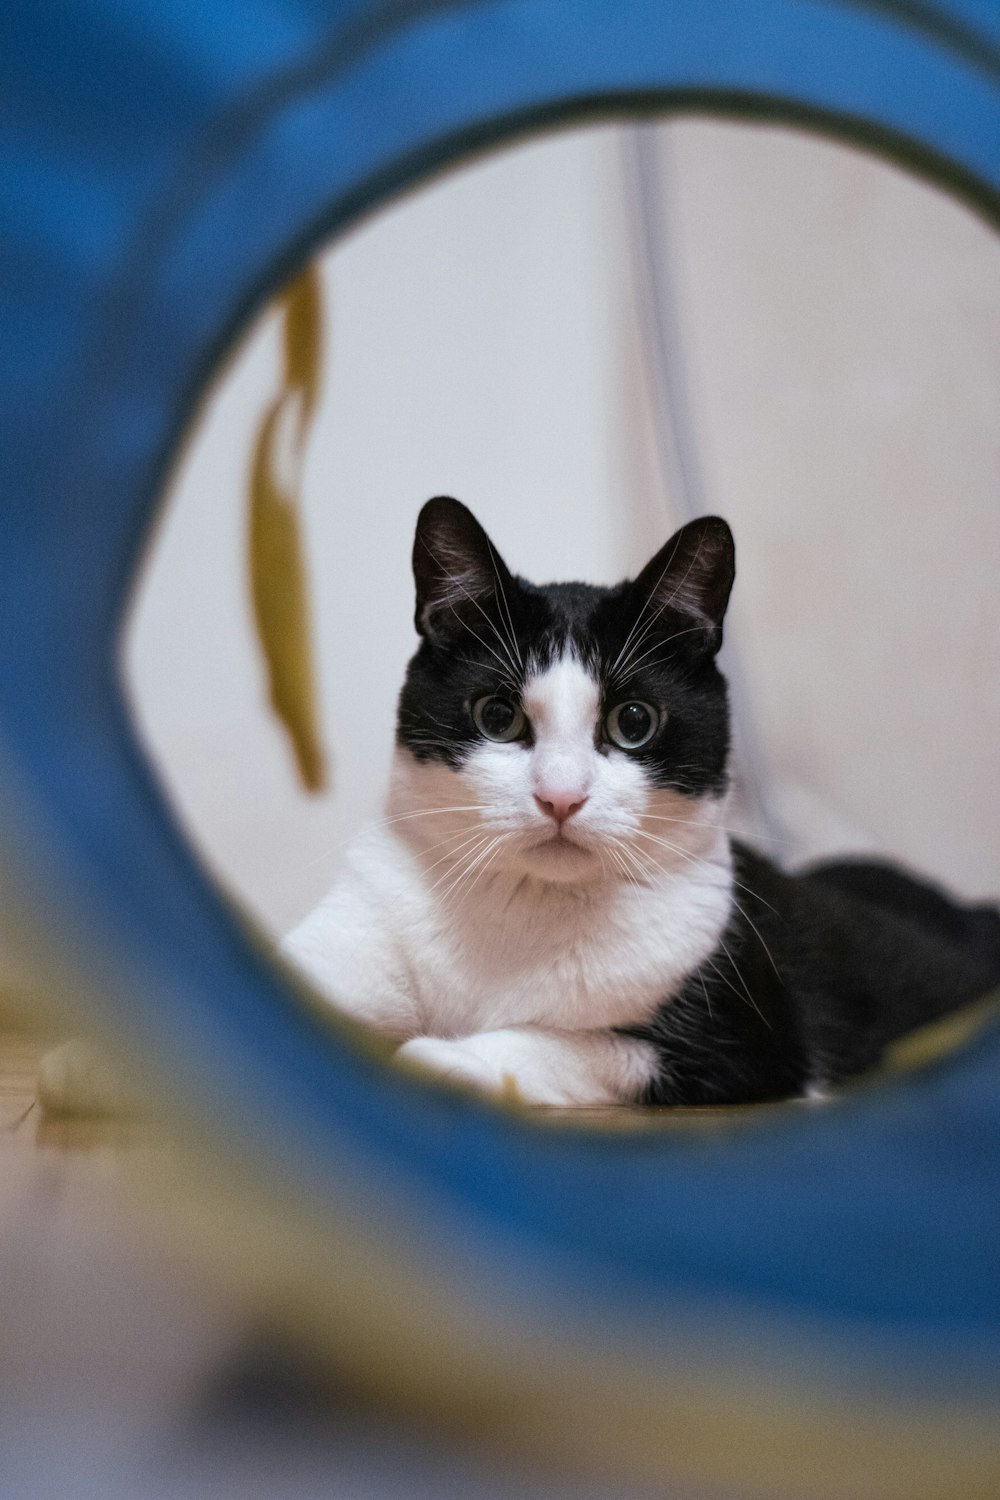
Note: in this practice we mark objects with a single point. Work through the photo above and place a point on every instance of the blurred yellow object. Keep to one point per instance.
(928, 1044)
(277, 563)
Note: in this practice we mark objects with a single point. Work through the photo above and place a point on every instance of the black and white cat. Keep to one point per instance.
(553, 905)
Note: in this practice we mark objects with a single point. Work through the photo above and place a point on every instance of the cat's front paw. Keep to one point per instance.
(465, 1061)
(513, 1064)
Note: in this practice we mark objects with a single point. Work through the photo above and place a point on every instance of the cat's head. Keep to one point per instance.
(567, 731)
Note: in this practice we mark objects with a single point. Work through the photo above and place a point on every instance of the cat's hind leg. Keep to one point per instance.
(535, 1065)
(879, 883)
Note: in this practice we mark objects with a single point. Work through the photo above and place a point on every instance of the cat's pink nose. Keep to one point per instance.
(560, 806)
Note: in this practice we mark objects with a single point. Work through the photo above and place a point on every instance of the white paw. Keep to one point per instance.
(463, 1062)
(511, 1064)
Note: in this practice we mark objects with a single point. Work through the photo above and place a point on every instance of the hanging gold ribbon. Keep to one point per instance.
(278, 583)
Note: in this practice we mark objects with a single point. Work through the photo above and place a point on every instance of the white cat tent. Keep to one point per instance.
(765, 1308)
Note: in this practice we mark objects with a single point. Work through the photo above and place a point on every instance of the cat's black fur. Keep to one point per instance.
(817, 972)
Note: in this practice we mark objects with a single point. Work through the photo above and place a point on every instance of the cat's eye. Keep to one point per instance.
(632, 725)
(498, 719)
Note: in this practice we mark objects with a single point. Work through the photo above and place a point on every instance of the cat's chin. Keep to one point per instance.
(559, 860)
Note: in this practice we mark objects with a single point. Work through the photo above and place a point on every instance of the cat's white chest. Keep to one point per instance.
(541, 956)
(509, 952)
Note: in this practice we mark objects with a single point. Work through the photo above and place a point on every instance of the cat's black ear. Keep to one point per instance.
(692, 576)
(458, 572)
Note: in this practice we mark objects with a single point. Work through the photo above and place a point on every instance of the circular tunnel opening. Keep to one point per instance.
(590, 337)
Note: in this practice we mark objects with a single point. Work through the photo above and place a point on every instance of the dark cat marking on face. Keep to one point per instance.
(553, 906)
(482, 625)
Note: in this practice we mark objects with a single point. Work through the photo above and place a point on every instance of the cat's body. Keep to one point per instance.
(553, 904)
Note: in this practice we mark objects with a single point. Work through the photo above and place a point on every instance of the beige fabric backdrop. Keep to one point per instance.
(840, 334)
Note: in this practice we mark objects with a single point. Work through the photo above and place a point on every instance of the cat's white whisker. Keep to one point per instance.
(631, 869)
(665, 604)
(501, 671)
(722, 827)
(642, 867)
(503, 599)
(625, 871)
(509, 664)
(431, 812)
(747, 917)
(483, 862)
(628, 874)
(648, 600)
(451, 854)
(631, 665)
(702, 859)
(756, 896)
(657, 838)
(457, 582)
(710, 964)
(737, 971)
(457, 869)
(708, 998)
(425, 812)
(471, 863)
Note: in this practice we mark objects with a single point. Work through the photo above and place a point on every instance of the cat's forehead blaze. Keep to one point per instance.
(562, 698)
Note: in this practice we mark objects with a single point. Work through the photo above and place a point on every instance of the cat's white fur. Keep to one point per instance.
(500, 946)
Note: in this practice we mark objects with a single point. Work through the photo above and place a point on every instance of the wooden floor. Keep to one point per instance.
(124, 1374)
